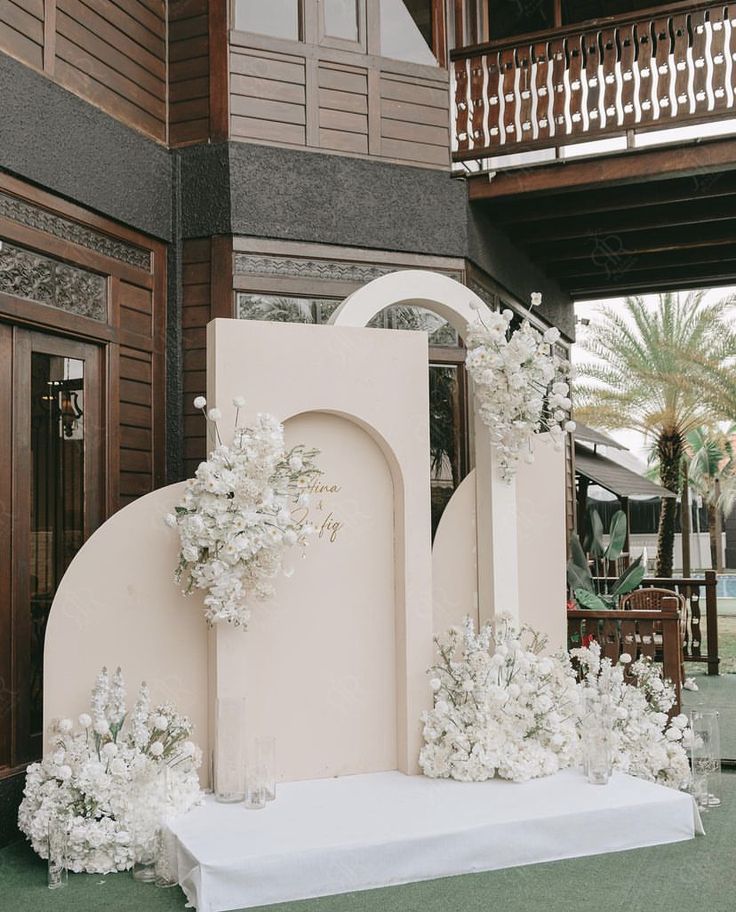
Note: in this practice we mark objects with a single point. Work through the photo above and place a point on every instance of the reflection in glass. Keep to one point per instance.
(341, 19)
(277, 18)
(57, 495)
(446, 436)
(406, 31)
(285, 308)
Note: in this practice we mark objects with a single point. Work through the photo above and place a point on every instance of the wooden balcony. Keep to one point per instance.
(673, 67)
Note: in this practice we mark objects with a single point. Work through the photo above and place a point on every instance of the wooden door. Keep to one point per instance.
(52, 486)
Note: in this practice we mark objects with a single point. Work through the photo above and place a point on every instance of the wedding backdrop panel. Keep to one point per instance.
(117, 605)
(319, 661)
(337, 666)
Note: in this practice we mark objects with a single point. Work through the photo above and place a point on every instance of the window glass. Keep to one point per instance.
(341, 19)
(511, 17)
(278, 18)
(581, 10)
(284, 308)
(406, 30)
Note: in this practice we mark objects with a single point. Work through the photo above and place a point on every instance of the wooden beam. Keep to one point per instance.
(691, 160)
(690, 213)
(656, 284)
(439, 31)
(710, 257)
(219, 87)
(722, 233)
(49, 36)
(714, 185)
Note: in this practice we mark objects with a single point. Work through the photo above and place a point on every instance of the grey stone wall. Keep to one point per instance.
(263, 191)
(52, 138)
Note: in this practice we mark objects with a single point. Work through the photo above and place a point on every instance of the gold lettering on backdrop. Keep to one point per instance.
(319, 511)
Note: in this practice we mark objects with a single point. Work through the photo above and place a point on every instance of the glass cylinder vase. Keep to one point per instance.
(58, 874)
(705, 757)
(229, 763)
(264, 750)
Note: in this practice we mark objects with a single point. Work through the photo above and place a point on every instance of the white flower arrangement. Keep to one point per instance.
(522, 386)
(96, 782)
(236, 521)
(501, 708)
(645, 741)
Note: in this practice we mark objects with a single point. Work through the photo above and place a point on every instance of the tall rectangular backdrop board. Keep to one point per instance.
(335, 666)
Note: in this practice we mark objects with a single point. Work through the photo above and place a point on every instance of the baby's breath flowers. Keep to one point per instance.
(235, 520)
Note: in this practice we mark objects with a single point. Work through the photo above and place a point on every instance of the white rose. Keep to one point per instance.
(65, 726)
(109, 750)
(214, 414)
(536, 298)
(239, 401)
(160, 722)
(157, 749)
(624, 658)
(85, 721)
(200, 402)
(102, 727)
(435, 684)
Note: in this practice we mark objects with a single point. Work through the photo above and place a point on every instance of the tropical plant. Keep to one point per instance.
(594, 591)
(712, 470)
(649, 368)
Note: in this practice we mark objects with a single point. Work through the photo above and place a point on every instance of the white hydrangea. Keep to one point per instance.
(236, 519)
(110, 786)
(501, 708)
(646, 742)
(522, 386)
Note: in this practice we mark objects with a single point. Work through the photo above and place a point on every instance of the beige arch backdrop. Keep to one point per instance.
(483, 540)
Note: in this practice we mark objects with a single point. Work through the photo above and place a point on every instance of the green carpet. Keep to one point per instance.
(688, 876)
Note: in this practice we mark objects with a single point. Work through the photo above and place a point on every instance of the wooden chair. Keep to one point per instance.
(654, 599)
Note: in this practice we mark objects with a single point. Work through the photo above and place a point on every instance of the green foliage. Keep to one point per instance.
(663, 370)
(588, 590)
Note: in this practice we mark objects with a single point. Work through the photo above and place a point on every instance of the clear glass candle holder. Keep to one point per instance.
(705, 758)
(58, 874)
(256, 793)
(264, 755)
(229, 764)
(597, 752)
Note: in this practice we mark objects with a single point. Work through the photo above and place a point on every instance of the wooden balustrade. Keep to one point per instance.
(575, 84)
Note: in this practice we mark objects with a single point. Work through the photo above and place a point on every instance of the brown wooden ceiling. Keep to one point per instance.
(637, 222)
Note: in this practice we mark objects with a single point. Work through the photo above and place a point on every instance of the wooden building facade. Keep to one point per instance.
(163, 162)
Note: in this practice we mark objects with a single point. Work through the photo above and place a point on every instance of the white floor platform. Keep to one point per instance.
(333, 836)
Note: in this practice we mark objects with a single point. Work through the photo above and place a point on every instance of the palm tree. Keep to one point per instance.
(713, 474)
(647, 375)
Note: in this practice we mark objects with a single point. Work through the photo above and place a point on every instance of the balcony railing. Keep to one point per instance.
(668, 69)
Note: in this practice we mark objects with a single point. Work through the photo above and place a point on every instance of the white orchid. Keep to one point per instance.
(237, 518)
(521, 385)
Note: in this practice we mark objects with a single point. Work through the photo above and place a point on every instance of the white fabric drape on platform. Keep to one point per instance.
(332, 836)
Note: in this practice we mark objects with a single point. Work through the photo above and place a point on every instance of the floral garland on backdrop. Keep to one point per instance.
(522, 386)
(236, 521)
(501, 708)
(102, 783)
